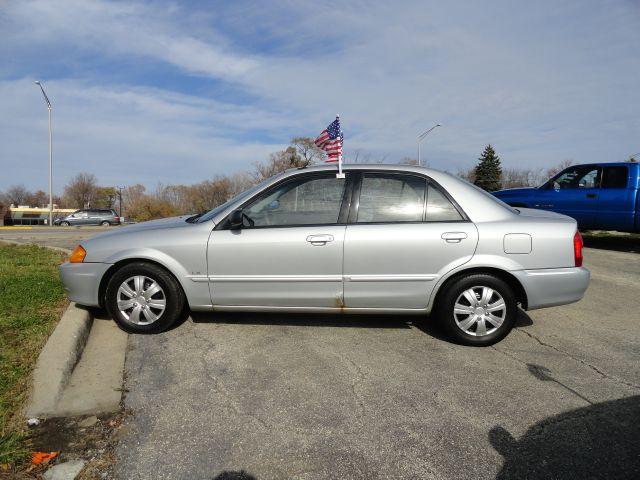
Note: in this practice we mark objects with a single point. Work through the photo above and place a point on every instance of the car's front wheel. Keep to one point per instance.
(144, 298)
(65, 224)
(478, 309)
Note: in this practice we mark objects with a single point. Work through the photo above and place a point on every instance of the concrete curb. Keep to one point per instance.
(57, 360)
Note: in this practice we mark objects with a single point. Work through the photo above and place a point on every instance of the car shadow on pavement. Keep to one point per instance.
(598, 441)
(234, 475)
(303, 320)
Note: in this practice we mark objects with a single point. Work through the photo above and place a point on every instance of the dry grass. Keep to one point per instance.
(31, 302)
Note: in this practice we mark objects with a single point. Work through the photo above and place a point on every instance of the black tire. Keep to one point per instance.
(65, 224)
(171, 289)
(446, 317)
(105, 224)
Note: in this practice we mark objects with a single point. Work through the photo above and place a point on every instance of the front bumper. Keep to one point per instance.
(549, 287)
(82, 281)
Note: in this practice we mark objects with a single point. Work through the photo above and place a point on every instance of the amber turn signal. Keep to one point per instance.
(77, 256)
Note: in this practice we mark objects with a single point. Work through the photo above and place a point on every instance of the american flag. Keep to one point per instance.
(330, 140)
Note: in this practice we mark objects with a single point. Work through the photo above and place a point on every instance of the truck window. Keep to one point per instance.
(578, 177)
(615, 177)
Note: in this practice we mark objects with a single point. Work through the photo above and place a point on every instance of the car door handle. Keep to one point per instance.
(319, 239)
(591, 195)
(453, 237)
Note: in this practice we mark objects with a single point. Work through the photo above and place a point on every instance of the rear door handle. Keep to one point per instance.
(319, 240)
(591, 195)
(453, 237)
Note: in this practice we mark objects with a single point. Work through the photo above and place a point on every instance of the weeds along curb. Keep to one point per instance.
(57, 360)
(59, 356)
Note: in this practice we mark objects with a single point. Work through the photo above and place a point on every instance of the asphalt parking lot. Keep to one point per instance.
(315, 397)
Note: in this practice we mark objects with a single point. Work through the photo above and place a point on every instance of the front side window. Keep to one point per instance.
(615, 177)
(308, 201)
(391, 198)
(577, 177)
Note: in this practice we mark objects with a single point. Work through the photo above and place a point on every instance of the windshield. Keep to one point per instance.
(247, 193)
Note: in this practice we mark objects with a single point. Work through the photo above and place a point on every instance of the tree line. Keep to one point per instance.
(139, 203)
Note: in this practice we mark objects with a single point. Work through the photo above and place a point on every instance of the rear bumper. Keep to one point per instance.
(553, 286)
(82, 281)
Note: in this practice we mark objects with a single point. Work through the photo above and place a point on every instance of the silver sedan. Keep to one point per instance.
(383, 239)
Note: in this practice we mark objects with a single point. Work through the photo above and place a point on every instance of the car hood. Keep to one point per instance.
(515, 192)
(162, 223)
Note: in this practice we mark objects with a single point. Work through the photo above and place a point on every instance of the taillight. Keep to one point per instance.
(117, 219)
(578, 243)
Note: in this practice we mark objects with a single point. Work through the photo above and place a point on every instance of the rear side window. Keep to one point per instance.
(615, 177)
(440, 208)
(391, 198)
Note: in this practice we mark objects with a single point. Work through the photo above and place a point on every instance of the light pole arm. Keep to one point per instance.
(422, 136)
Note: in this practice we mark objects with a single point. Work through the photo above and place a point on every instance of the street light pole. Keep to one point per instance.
(421, 137)
(46, 99)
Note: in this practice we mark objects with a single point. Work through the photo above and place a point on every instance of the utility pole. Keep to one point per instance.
(120, 200)
(49, 107)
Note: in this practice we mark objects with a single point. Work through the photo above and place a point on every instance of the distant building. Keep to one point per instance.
(25, 215)
(4, 211)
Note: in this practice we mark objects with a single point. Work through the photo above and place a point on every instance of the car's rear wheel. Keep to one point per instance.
(105, 223)
(478, 310)
(65, 224)
(144, 298)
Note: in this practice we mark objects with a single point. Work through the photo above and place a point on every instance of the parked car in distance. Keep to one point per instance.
(602, 196)
(385, 239)
(89, 216)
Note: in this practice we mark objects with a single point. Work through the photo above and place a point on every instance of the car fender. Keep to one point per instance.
(495, 262)
(152, 255)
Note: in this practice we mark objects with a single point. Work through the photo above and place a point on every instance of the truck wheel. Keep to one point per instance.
(478, 310)
(144, 298)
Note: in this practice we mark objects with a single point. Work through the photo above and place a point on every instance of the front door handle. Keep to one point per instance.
(591, 195)
(319, 240)
(453, 237)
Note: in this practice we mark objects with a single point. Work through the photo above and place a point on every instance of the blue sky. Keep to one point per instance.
(177, 92)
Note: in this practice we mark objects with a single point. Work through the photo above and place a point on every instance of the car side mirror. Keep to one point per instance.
(236, 219)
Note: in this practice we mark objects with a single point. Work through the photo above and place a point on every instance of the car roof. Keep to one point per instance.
(477, 204)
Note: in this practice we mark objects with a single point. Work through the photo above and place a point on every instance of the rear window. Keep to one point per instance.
(615, 177)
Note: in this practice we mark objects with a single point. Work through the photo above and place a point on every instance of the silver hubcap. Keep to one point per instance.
(141, 300)
(479, 311)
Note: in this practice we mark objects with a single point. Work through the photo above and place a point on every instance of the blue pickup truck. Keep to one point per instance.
(602, 196)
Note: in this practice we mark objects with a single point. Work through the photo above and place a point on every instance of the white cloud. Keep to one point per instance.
(124, 136)
(542, 82)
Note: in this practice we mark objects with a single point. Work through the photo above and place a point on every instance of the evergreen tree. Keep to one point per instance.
(488, 172)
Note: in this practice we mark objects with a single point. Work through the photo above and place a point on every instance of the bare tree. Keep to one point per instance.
(408, 161)
(81, 190)
(278, 162)
(17, 195)
(307, 150)
(469, 175)
(38, 199)
(515, 177)
(553, 171)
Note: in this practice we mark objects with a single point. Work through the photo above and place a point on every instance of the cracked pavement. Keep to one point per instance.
(315, 397)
